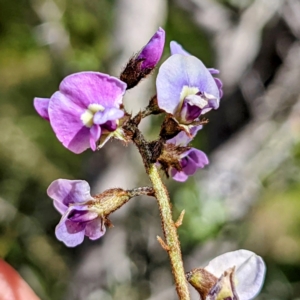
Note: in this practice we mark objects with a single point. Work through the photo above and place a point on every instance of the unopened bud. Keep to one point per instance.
(141, 64)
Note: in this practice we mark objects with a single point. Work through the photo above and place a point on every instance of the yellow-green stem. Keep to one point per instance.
(170, 233)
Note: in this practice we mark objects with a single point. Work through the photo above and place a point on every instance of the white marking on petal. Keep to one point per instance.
(187, 91)
(95, 108)
(88, 115)
(196, 100)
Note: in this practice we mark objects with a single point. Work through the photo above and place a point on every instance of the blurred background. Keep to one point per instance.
(249, 195)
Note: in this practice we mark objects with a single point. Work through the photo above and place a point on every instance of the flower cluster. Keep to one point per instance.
(88, 110)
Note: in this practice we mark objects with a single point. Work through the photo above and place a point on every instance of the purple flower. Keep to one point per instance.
(185, 87)
(86, 106)
(73, 200)
(151, 53)
(190, 160)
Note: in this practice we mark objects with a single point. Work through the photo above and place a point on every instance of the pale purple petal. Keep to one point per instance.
(41, 106)
(182, 138)
(197, 157)
(95, 132)
(220, 85)
(82, 216)
(178, 175)
(177, 49)
(188, 166)
(95, 229)
(213, 71)
(152, 52)
(86, 88)
(64, 192)
(250, 271)
(70, 236)
(109, 114)
(191, 161)
(65, 120)
(179, 71)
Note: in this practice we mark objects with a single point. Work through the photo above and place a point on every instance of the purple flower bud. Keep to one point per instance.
(73, 200)
(86, 104)
(142, 64)
(152, 52)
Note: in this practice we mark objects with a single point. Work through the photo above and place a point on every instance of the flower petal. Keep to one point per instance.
(250, 271)
(82, 215)
(95, 133)
(86, 88)
(64, 192)
(152, 52)
(110, 114)
(65, 119)
(213, 71)
(178, 175)
(176, 48)
(182, 138)
(41, 106)
(198, 157)
(95, 229)
(70, 236)
(180, 71)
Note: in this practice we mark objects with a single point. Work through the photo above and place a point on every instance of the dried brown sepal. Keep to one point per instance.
(201, 280)
(203, 121)
(156, 148)
(133, 73)
(153, 106)
(108, 223)
(169, 128)
(151, 109)
(170, 157)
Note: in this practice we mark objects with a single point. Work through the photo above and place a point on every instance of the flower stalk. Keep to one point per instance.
(170, 233)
